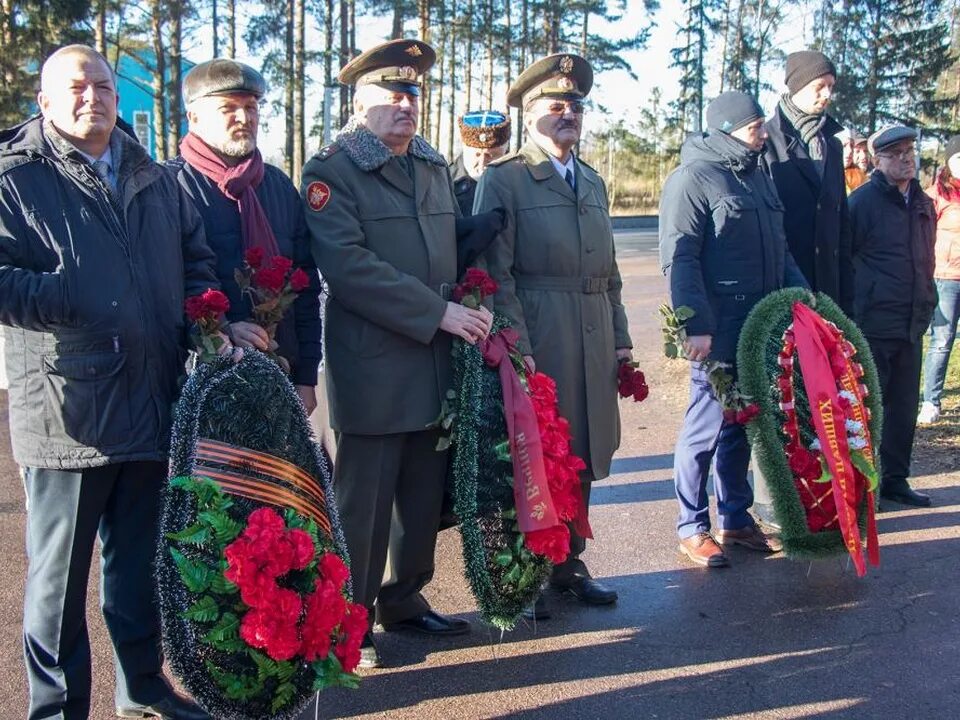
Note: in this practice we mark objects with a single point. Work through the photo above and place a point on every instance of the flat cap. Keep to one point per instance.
(564, 75)
(222, 76)
(485, 129)
(889, 135)
(395, 65)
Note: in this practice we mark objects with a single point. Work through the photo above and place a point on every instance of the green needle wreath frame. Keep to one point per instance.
(757, 351)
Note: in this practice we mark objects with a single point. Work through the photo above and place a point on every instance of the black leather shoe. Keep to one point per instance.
(906, 496)
(587, 590)
(369, 656)
(172, 707)
(537, 611)
(431, 623)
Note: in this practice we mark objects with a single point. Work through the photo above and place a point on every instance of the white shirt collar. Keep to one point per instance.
(563, 167)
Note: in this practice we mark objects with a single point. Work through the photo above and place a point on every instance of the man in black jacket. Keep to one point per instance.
(722, 242)
(486, 137)
(98, 249)
(222, 98)
(894, 225)
(805, 161)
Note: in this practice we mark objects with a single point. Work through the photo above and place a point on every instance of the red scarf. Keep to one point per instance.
(238, 183)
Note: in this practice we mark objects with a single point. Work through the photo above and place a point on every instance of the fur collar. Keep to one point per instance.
(369, 153)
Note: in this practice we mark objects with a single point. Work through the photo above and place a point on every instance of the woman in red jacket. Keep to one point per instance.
(945, 193)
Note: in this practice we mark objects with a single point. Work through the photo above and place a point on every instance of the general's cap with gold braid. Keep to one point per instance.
(395, 65)
(564, 76)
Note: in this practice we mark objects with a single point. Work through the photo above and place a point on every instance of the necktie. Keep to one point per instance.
(101, 168)
(569, 178)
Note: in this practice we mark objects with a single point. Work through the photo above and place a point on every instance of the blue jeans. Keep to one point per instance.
(943, 329)
(703, 436)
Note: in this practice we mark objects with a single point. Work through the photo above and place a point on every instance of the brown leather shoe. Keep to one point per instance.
(703, 550)
(752, 538)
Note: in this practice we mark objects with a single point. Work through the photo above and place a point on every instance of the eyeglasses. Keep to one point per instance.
(562, 106)
(902, 156)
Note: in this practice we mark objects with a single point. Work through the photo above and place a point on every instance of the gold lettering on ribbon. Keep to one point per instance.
(825, 408)
(538, 511)
(531, 488)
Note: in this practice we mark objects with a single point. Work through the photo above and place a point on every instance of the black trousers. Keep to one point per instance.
(898, 368)
(66, 510)
(389, 491)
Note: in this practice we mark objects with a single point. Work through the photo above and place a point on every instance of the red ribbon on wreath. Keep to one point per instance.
(813, 337)
(531, 492)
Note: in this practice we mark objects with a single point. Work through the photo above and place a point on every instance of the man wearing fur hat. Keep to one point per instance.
(381, 211)
(486, 137)
(805, 161)
(558, 279)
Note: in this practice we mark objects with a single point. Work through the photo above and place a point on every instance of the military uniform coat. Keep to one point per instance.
(386, 247)
(560, 287)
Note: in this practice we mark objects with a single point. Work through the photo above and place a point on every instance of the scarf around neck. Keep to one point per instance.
(809, 127)
(237, 183)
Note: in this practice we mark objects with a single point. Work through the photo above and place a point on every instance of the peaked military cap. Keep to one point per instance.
(889, 135)
(564, 75)
(222, 76)
(485, 129)
(395, 65)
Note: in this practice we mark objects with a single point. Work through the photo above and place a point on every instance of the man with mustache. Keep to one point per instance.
(559, 283)
(805, 160)
(99, 247)
(247, 204)
(381, 211)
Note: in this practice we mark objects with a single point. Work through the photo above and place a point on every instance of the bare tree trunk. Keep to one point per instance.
(352, 39)
(441, 68)
(159, 91)
(584, 33)
(175, 114)
(215, 27)
(488, 90)
(524, 49)
(396, 31)
(100, 28)
(508, 44)
(423, 13)
(469, 64)
(344, 59)
(299, 91)
(328, 83)
(231, 29)
(452, 75)
(289, 104)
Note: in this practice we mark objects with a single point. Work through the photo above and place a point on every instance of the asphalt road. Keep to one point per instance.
(768, 638)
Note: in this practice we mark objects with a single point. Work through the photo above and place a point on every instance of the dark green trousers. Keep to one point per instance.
(389, 491)
(573, 566)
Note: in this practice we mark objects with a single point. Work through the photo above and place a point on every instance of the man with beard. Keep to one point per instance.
(99, 247)
(723, 247)
(558, 280)
(486, 136)
(247, 204)
(894, 229)
(805, 161)
(381, 211)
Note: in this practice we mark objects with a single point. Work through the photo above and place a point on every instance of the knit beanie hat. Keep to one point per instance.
(953, 147)
(806, 66)
(732, 110)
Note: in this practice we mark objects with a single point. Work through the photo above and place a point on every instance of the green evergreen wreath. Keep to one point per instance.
(504, 575)
(757, 365)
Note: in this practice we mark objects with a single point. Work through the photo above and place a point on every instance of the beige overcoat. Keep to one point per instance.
(385, 244)
(560, 286)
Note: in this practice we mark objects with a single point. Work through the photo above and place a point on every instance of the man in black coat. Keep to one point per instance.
(894, 226)
(486, 137)
(805, 161)
(722, 243)
(99, 247)
(222, 99)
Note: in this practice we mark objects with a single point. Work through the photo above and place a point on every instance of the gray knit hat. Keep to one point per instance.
(806, 66)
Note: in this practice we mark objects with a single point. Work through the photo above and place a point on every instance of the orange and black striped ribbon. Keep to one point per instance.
(263, 478)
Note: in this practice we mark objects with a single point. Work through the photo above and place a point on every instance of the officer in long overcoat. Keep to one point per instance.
(381, 212)
(558, 277)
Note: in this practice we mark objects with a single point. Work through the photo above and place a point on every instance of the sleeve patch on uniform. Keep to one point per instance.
(318, 193)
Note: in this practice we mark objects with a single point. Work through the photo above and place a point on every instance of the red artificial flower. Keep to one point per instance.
(325, 608)
(254, 257)
(477, 279)
(553, 543)
(805, 464)
(748, 413)
(299, 280)
(281, 263)
(303, 548)
(261, 629)
(353, 627)
(729, 415)
(332, 568)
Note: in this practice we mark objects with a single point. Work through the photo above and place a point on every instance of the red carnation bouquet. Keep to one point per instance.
(737, 407)
(631, 382)
(207, 313)
(476, 286)
(272, 286)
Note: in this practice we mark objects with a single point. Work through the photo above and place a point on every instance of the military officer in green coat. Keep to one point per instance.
(381, 211)
(558, 276)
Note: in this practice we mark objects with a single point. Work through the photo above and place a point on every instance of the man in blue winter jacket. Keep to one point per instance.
(723, 245)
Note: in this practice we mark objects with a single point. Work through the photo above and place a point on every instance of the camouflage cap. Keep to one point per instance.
(222, 76)
(395, 65)
(563, 75)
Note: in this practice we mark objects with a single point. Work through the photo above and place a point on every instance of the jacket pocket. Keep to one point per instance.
(86, 398)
